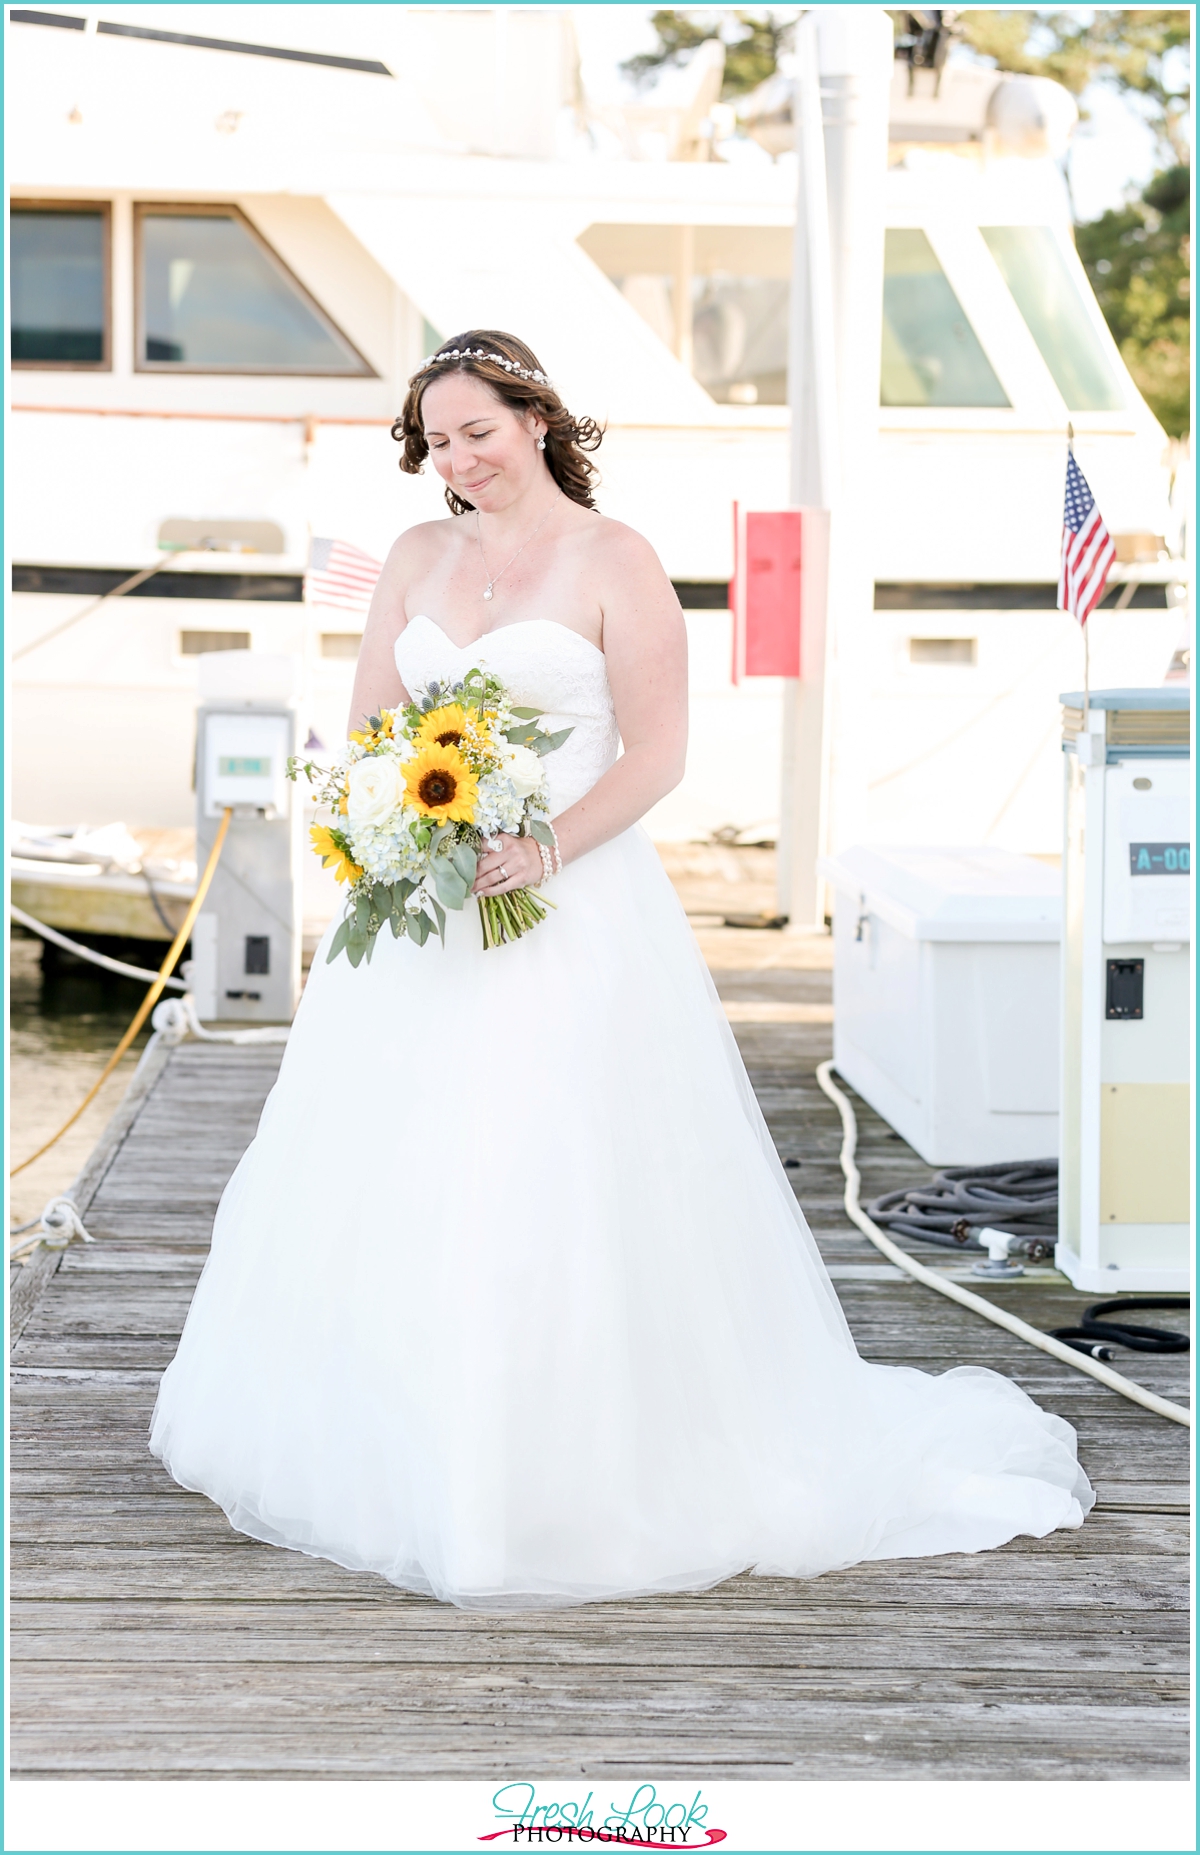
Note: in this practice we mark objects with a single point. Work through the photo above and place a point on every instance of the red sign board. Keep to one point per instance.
(778, 573)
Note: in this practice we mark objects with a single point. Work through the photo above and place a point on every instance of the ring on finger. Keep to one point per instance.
(503, 873)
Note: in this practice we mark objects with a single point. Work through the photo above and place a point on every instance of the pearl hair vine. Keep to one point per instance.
(481, 354)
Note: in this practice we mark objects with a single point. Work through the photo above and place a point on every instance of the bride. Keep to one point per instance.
(510, 1300)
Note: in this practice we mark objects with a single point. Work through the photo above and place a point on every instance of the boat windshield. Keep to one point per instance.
(215, 299)
(1035, 270)
(931, 354)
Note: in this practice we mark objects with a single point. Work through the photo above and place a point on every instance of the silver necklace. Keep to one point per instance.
(487, 591)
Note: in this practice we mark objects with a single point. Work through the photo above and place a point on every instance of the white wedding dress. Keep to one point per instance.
(510, 1301)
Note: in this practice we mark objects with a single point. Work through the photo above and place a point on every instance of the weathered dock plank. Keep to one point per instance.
(150, 1640)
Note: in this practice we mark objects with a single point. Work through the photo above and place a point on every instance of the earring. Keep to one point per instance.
(541, 444)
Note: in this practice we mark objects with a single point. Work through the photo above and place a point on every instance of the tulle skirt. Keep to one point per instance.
(510, 1300)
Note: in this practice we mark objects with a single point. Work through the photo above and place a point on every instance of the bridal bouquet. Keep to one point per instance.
(416, 796)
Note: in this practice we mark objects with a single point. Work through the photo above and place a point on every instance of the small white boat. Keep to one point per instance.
(105, 881)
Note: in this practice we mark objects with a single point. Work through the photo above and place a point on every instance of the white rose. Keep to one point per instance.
(376, 787)
(524, 768)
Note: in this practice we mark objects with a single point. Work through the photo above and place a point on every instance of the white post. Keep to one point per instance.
(685, 264)
(845, 67)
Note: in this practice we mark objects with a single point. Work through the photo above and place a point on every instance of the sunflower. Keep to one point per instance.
(439, 783)
(443, 727)
(333, 855)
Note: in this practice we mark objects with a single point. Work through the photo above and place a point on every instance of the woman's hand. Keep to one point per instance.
(516, 865)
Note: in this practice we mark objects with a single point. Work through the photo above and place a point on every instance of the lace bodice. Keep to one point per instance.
(543, 665)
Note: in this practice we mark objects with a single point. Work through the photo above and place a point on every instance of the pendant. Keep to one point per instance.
(487, 592)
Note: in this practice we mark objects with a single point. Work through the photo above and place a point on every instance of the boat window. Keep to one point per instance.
(941, 650)
(196, 643)
(931, 354)
(343, 644)
(716, 295)
(1035, 270)
(740, 339)
(216, 299)
(59, 285)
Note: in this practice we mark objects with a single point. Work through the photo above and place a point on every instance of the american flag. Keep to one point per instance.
(340, 575)
(1087, 548)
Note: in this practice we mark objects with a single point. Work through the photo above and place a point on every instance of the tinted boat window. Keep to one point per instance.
(931, 354)
(214, 298)
(58, 290)
(1036, 272)
(740, 339)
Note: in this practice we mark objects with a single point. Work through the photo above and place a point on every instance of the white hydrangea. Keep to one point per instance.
(386, 851)
(498, 808)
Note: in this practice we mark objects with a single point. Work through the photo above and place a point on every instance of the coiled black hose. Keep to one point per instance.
(1096, 1328)
(1022, 1200)
(1018, 1197)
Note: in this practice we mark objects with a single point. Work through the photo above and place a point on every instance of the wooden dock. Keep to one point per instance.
(151, 1641)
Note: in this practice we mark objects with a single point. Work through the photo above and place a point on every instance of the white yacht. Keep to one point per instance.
(228, 254)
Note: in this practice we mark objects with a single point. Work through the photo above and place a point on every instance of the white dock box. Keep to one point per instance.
(945, 993)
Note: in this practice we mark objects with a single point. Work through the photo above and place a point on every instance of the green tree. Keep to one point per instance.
(1138, 259)
(753, 42)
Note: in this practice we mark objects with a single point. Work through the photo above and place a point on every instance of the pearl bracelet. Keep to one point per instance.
(547, 865)
(558, 862)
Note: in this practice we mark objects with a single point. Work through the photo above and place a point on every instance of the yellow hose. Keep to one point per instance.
(152, 996)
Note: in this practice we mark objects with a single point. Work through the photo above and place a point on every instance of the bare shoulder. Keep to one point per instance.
(620, 557)
(423, 542)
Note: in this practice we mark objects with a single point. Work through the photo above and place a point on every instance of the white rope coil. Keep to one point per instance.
(59, 1225)
(177, 1017)
(173, 1021)
(935, 1279)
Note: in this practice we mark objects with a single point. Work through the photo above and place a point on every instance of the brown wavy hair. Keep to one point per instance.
(567, 439)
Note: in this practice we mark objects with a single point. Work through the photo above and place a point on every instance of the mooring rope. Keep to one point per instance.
(151, 999)
(174, 1019)
(89, 953)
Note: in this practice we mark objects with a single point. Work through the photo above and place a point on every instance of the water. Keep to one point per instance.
(65, 1025)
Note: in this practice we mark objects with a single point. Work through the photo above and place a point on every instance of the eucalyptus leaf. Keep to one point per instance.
(440, 912)
(355, 950)
(547, 743)
(465, 861)
(451, 888)
(362, 912)
(371, 939)
(528, 714)
(338, 942)
(418, 927)
(381, 900)
(524, 736)
(541, 832)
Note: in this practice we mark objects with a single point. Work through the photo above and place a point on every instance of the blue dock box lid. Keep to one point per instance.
(1169, 700)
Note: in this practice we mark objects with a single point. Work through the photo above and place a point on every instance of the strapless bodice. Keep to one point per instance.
(543, 665)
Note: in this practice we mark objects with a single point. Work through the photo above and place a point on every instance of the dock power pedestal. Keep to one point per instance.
(246, 943)
(1124, 1198)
